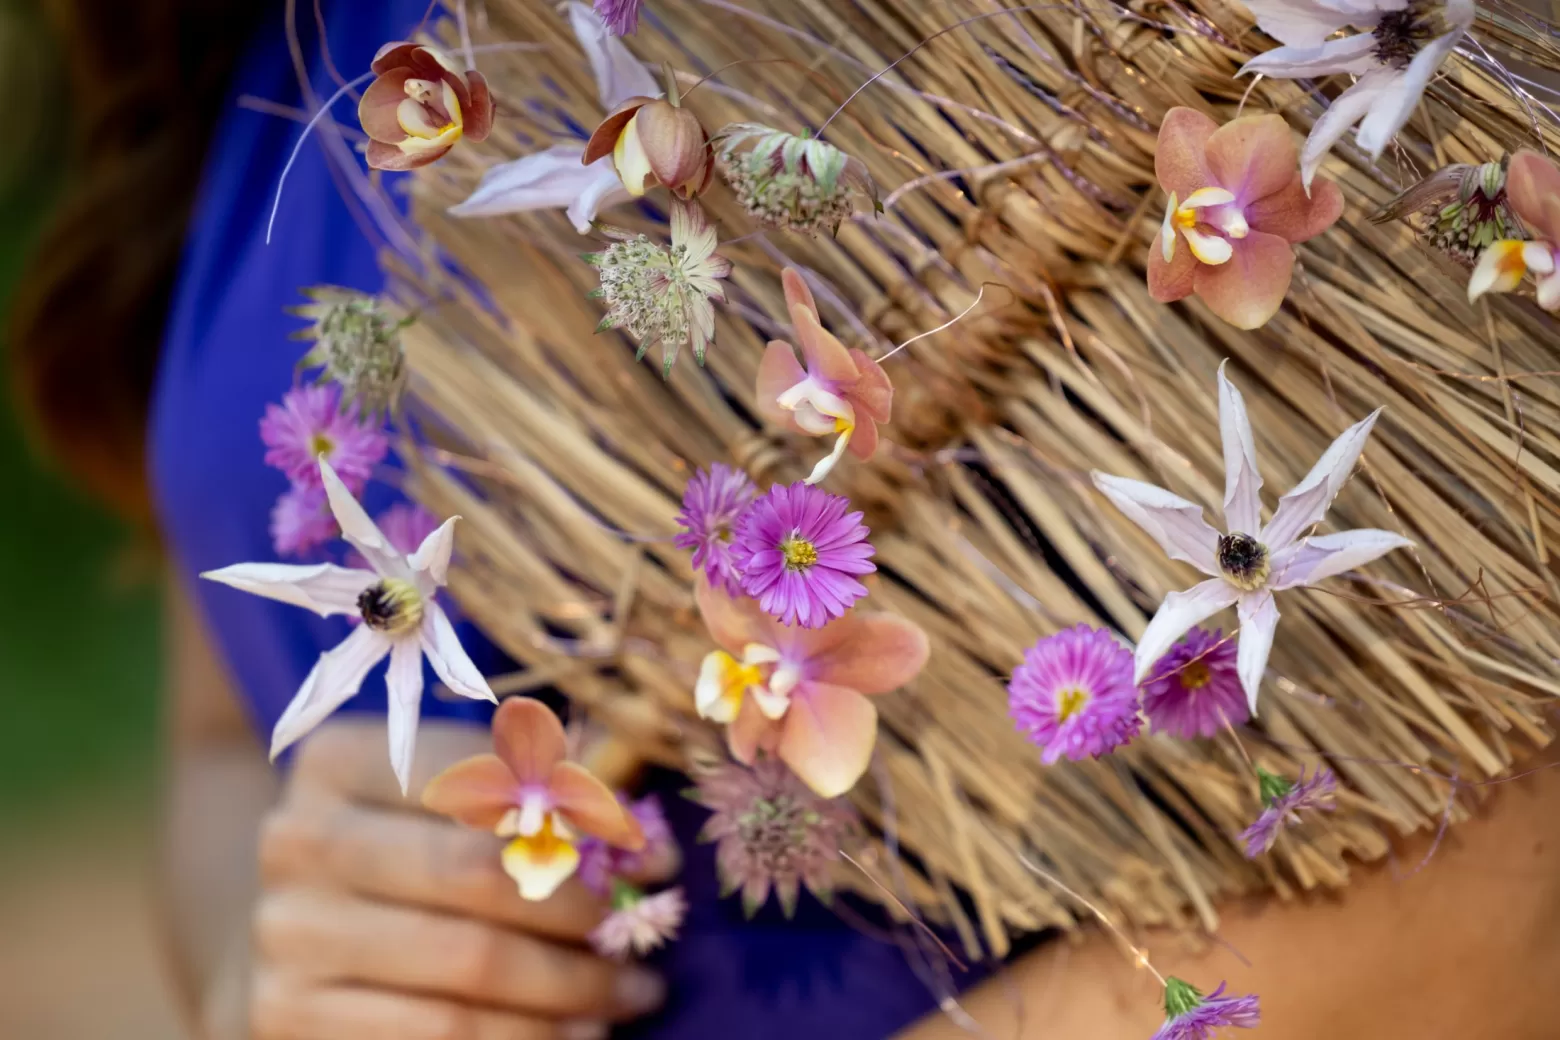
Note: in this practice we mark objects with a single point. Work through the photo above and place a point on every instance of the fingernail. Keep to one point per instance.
(639, 990)
(584, 1031)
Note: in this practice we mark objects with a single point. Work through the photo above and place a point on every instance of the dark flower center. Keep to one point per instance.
(1244, 560)
(391, 606)
(1400, 34)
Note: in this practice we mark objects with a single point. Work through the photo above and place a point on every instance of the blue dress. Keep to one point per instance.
(227, 354)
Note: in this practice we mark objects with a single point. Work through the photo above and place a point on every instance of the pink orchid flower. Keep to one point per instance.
(1533, 190)
(840, 391)
(528, 793)
(1237, 206)
(801, 693)
(419, 105)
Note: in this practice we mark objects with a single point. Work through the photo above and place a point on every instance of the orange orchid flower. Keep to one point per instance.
(527, 792)
(839, 391)
(1237, 206)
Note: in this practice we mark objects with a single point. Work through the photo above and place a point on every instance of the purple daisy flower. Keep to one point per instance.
(621, 16)
(301, 521)
(799, 552)
(1074, 696)
(1191, 1016)
(713, 503)
(1195, 687)
(309, 423)
(601, 863)
(1284, 800)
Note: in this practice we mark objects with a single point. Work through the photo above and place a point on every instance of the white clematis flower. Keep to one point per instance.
(400, 619)
(1406, 42)
(556, 178)
(1250, 562)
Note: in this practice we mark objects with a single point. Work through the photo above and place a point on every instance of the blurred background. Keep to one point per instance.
(80, 955)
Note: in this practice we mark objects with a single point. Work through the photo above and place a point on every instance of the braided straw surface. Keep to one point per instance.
(1426, 674)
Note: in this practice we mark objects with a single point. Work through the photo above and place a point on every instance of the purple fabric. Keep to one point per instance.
(227, 356)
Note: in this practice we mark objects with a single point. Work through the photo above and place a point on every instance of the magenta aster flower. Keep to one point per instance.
(301, 521)
(1195, 687)
(309, 423)
(713, 503)
(602, 863)
(1073, 695)
(771, 832)
(639, 923)
(621, 16)
(1191, 1016)
(1284, 800)
(799, 552)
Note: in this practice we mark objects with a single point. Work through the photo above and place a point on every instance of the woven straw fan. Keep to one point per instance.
(1434, 663)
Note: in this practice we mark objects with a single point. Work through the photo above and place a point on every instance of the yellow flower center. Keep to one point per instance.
(320, 444)
(799, 553)
(392, 606)
(1195, 675)
(1070, 702)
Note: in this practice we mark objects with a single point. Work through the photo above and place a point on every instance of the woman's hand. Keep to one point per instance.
(377, 920)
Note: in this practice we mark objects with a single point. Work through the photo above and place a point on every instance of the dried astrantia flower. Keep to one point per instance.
(1462, 208)
(1191, 1016)
(357, 343)
(638, 923)
(771, 833)
(791, 182)
(654, 141)
(661, 294)
(1284, 800)
(419, 105)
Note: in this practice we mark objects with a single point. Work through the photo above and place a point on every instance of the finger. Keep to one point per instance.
(350, 758)
(400, 857)
(290, 1008)
(342, 938)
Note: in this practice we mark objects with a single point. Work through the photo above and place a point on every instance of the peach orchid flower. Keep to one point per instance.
(1533, 191)
(801, 693)
(1237, 206)
(419, 105)
(527, 792)
(840, 391)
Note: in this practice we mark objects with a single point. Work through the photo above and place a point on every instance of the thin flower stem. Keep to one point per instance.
(293, 158)
(465, 34)
(1139, 955)
(914, 917)
(932, 332)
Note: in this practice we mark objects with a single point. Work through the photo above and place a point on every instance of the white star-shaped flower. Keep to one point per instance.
(1250, 562)
(1395, 59)
(401, 619)
(557, 178)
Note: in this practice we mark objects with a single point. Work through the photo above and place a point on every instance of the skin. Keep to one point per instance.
(1468, 946)
(371, 918)
(368, 917)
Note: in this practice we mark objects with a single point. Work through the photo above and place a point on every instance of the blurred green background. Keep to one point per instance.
(79, 640)
(80, 954)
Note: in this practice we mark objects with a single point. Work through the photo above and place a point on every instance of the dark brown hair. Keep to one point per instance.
(145, 82)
